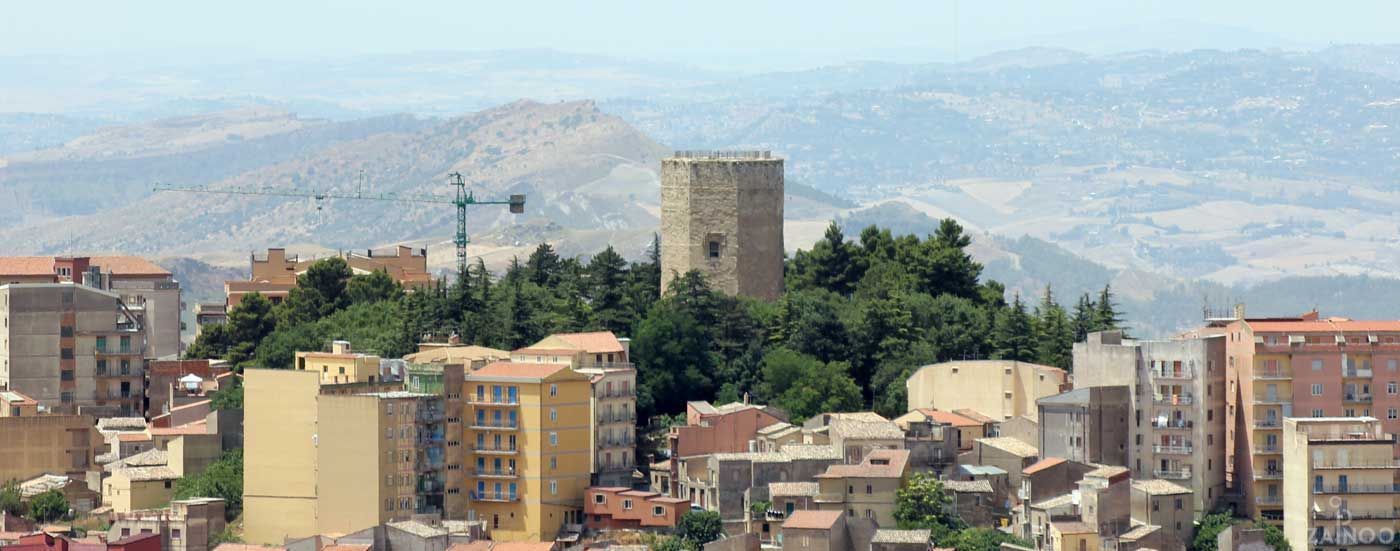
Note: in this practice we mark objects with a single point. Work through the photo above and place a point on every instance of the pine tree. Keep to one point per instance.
(832, 264)
(1012, 335)
(606, 273)
(1106, 315)
(1054, 335)
(542, 268)
(1084, 314)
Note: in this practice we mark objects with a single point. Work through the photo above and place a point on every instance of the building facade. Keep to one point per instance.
(722, 214)
(72, 346)
(1339, 483)
(274, 274)
(340, 365)
(1000, 389)
(42, 443)
(1178, 430)
(1302, 367)
(1089, 425)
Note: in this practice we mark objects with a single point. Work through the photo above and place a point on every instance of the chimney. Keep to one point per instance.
(626, 348)
(746, 398)
(340, 347)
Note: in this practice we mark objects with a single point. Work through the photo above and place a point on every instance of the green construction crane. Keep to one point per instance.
(463, 200)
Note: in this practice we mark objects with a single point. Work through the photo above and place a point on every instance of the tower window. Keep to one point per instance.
(714, 249)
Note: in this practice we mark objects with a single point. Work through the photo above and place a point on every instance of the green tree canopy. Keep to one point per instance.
(700, 527)
(373, 287)
(223, 479)
(48, 506)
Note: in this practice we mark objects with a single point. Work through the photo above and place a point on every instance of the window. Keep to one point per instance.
(1390, 388)
(342, 370)
(65, 375)
(66, 353)
(167, 484)
(389, 408)
(1391, 414)
(1317, 412)
(627, 505)
(553, 415)
(714, 249)
(600, 499)
(869, 490)
(65, 331)
(1154, 505)
(553, 390)
(1178, 504)
(175, 533)
(553, 463)
(1317, 389)
(389, 480)
(1390, 365)
(657, 511)
(389, 433)
(554, 487)
(554, 439)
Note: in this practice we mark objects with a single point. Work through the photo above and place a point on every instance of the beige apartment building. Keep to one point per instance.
(150, 293)
(38, 443)
(317, 462)
(1178, 402)
(340, 365)
(866, 490)
(72, 346)
(1339, 480)
(1000, 389)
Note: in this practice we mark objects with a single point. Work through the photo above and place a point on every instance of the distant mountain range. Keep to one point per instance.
(1186, 179)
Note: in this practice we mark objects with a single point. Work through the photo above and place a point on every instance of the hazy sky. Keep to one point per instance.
(663, 29)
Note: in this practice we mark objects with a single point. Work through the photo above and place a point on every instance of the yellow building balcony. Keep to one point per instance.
(495, 497)
(1344, 489)
(1269, 501)
(494, 450)
(495, 473)
(1265, 449)
(1272, 400)
(1266, 474)
(493, 425)
(1272, 375)
(499, 401)
(1355, 514)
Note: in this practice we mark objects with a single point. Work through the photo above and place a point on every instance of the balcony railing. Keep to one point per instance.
(494, 450)
(1267, 450)
(1267, 474)
(1356, 397)
(1268, 424)
(1364, 372)
(616, 418)
(1379, 514)
(1272, 375)
(1172, 448)
(1172, 424)
(502, 497)
(1272, 400)
(1173, 399)
(484, 400)
(491, 425)
(1356, 489)
(1269, 500)
(1184, 474)
(1183, 373)
(495, 473)
(1356, 464)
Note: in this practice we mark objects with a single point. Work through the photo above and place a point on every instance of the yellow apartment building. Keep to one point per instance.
(317, 462)
(1000, 389)
(866, 490)
(528, 432)
(1339, 489)
(341, 365)
(38, 443)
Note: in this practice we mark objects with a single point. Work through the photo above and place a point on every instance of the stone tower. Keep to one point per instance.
(722, 214)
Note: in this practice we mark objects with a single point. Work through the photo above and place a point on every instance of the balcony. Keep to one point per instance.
(495, 497)
(495, 450)
(1358, 397)
(1356, 373)
(1266, 474)
(430, 416)
(427, 465)
(1356, 489)
(1344, 514)
(1269, 500)
(1329, 465)
(1176, 449)
(491, 425)
(495, 473)
(1272, 375)
(430, 440)
(429, 485)
(1268, 424)
(483, 400)
(1182, 474)
(118, 395)
(616, 418)
(1172, 400)
(1172, 424)
(1183, 373)
(616, 442)
(1268, 450)
(1272, 400)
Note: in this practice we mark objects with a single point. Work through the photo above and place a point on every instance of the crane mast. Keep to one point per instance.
(464, 198)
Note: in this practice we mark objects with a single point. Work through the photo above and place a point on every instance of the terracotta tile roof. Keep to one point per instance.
(968, 486)
(949, 418)
(13, 397)
(812, 520)
(596, 342)
(1106, 471)
(896, 461)
(457, 354)
(121, 423)
(133, 437)
(518, 370)
(974, 415)
(1138, 532)
(26, 265)
(1330, 325)
(1042, 465)
(849, 429)
(638, 493)
(197, 427)
(1160, 487)
(128, 266)
(140, 474)
(1010, 445)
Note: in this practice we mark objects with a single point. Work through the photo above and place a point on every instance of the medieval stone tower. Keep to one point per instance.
(722, 214)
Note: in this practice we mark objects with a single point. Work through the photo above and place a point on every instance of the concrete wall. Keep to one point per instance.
(736, 203)
(995, 388)
(279, 481)
(43, 444)
(352, 464)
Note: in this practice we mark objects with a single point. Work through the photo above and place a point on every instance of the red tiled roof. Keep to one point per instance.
(133, 437)
(518, 370)
(1042, 465)
(949, 418)
(974, 415)
(897, 460)
(600, 341)
(21, 399)
(1330, 325)
(26, 265)
(813, 520)
(128, 266)
(551, 351)
(197, 427)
